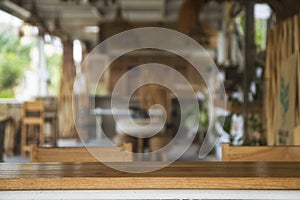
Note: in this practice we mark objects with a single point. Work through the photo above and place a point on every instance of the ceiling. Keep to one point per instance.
(78, 18)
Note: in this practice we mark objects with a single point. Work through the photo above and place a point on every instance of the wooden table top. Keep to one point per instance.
(179, 175)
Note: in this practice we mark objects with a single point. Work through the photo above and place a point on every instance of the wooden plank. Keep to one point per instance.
(260, 153)
(188, 175)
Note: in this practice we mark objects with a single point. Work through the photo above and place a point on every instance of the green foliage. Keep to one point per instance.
(260, 29)
(227, 120)
(14, 58)
(8, 93)
(284, 94)
(255, 123)
(192, 117)
(54, 66)
(203, 120)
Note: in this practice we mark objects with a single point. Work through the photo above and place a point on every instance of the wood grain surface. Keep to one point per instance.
(179, 175)
(260, 153)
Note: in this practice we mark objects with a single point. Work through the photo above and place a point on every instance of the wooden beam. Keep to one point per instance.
(283, 8)
(249, 60)
(14, 9)
(188, 15)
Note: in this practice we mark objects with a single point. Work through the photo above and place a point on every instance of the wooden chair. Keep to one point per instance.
(260, 153)
(32, 124)
(2, 136)
(80, 154)
(51, 117)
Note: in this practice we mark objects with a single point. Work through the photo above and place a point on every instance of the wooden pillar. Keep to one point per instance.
(43, 72)
(100, 33)
(66, 121)
(248, 61)
(188, 15)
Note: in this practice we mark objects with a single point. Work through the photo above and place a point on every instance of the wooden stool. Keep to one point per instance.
(32, 120)
(51, 118)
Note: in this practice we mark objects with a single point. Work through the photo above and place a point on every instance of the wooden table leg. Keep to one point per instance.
(23, 140)
(140, 145)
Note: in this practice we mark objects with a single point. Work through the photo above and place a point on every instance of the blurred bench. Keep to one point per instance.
(260, 153)
(81, 154)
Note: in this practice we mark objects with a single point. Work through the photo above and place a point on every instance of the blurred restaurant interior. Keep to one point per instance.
(81, 81)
